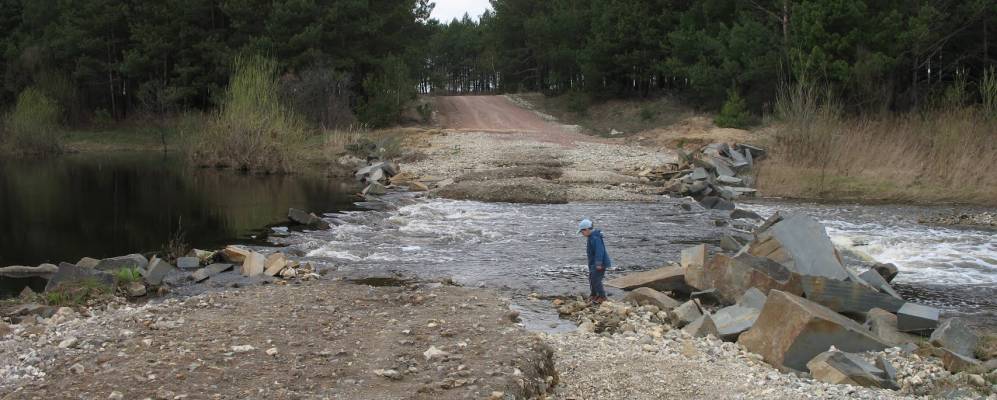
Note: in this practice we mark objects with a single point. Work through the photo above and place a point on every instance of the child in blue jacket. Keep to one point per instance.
(598, 260)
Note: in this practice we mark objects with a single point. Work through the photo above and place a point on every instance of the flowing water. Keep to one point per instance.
(65, 208)
(525, 249)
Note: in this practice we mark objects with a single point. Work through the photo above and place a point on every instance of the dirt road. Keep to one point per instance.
(489, 114)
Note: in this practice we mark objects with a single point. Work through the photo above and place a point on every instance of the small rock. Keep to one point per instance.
(434, 353)
(511, 316)
(135, 289)
(116, 396)
(77, 369)
(497, 395)
(272, 351)
(977, 380)
(388, 373)
(243, 348)
(68, 342)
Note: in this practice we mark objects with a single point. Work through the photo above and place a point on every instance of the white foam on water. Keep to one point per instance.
(923, 254)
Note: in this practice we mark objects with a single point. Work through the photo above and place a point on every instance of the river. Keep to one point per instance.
(525, 249)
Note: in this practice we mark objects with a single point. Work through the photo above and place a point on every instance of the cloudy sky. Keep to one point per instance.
(447, 10)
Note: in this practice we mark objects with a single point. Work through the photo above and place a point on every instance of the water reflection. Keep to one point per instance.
(87, 205)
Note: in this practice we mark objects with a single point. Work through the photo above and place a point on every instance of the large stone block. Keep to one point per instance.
(846, 296)
(235, 254)
(734, 276)
(913, 317)
(693, 261)
(274, 264)
(209, 271)
(306, 218)
(646, 296)
(702, 327)
(70, 274)
(666, 279)
(685, 314)
(840, 368)
(883, 324)
(876, 280)
(253, 265)
(44, 271)
(188, 262)
(956, 363)
(792, 330)
(130, 261)
(887, 271)
(734, 320)
(800, 243)
(156, 271)
(953, 334)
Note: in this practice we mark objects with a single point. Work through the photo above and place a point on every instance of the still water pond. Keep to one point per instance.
(106, 205)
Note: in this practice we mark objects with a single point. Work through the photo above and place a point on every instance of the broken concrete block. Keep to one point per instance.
(792, 330)
(730, 243)
(883, 324)
(801, 244)
(887, 271)
(645, 295)
(253, 264)
(702, 327)
(274, 264)
(188, 262)
(744, 214)
(953, 334)
(693, 261)
(840, 368)
(685, 314)
(235, 254)
(68, 274)
(209, 271)
(115, 263)
(666, 279)
(156, 271)
(846, 296)
(733, 276)
(956, 363)
(913, 317)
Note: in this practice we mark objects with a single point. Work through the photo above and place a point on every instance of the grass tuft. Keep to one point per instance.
(76, 294)
(128, 275)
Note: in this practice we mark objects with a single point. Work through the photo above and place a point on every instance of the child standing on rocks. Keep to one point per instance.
(598, 260)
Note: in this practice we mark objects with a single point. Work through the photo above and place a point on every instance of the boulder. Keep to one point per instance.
(734, 320)
(883, 324)
(887, 271)
(253, 265)
(209, 271)
(956, 363)
(130, 261)
(733, 276)
(730, 243)
(274, 264)
(744, 214)
(374, 189)
(644, 295)
(306, 218)
(665, 279)
(801, 244)
(694, 261)
(188, 262)
(791, 330)
(70, 273)
(912, 317)
(847, 297)
(685, 314)
(156, 271)
(721, 167)
(699, 174)
(954, 335)
(840, 368)
(235, 254)
(702, 327)
(87, 262)
(44, 271)
(135, 289)
(716, 203)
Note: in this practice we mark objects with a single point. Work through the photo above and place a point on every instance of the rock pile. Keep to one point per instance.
(984, 219)
(382, 175)
(787, 296)
(714, 176)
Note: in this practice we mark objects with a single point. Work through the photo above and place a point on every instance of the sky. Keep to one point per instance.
(446, 10)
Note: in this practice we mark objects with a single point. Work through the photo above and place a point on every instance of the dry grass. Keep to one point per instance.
(938, 156)
(628, 116)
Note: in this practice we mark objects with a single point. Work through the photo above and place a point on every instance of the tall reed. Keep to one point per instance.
(252, 130)
(33, 126)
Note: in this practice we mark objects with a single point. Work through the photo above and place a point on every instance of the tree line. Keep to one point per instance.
(874, 55)
(111, 58)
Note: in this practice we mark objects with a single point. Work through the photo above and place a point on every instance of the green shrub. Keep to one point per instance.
(734, 113)
(988, 92)
(386, 148)
(578, 102)
(128, 275)
(253, 130)
(33, 126)
(388, 91)
(425, 112)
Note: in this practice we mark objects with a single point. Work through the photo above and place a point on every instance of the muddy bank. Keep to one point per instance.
(319, 339)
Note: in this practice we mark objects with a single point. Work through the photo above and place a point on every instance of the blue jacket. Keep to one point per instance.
(596, 250)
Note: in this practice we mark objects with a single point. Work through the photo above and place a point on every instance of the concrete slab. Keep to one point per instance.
(912, 317)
